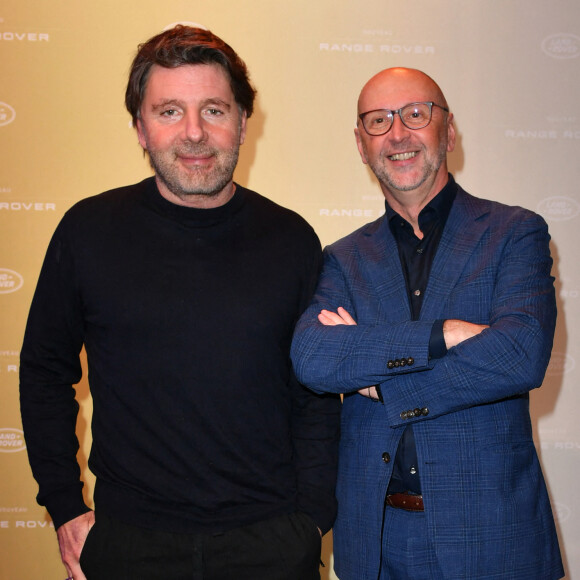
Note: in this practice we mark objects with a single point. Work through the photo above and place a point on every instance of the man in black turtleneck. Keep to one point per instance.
(211, 460)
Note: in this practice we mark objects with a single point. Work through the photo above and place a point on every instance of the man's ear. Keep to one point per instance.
(450, 133)
(360, 145)
(243, 122)
(141, 133)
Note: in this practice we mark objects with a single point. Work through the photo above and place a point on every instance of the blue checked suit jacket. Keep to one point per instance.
(486, 504)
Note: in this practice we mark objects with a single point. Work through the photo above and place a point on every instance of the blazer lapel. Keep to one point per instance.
(465, 226)
(382, 265)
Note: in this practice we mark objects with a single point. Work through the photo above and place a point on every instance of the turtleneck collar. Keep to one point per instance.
(192, 216)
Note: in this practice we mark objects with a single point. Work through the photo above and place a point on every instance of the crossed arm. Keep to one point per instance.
(454, 332)
(506, 285)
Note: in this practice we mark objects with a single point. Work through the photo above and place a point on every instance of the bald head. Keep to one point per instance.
(409, 162)
(394, 87)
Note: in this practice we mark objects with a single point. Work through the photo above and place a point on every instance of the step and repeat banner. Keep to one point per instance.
(510, 70)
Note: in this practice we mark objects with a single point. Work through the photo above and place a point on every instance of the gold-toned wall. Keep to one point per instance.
(511, 73)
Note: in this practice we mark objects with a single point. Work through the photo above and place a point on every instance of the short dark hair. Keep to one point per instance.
(184, 45)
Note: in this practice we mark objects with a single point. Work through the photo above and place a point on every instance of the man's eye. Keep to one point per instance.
(378, 121)
(214, 112)
(169, 113)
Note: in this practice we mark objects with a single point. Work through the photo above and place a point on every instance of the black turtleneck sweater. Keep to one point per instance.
(199, 424)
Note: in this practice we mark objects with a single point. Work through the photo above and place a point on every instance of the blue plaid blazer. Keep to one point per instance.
(486, 504)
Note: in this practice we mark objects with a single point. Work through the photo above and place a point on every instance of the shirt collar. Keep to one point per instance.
(436, 210)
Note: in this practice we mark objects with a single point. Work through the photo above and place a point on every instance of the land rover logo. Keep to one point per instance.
(7, 114)
(11, 440)
(559, 208)
(10, 281)
(562, 45)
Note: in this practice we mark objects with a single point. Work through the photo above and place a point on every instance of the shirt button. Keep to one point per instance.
(413, 470)
(417, 293)
(386, 457)
(419, 250)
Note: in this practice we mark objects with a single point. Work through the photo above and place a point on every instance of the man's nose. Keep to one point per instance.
(398, 129)
(194, 127)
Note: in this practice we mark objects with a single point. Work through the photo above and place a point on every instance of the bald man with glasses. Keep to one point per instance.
(434, 322)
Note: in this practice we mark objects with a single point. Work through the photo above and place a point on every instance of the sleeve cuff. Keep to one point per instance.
(65, 505)
(437, 348)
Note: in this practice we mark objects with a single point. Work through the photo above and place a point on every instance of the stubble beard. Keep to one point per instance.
(391, 180)
(185, 183)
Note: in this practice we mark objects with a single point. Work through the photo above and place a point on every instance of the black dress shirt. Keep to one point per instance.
(417, 257)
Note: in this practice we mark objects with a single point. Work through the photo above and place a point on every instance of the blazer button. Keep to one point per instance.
(390, 364)
(424, 411)
(410, 361)
(386, 457)
(417, 412)
(404, 414)
(403, 362)
(396, 363)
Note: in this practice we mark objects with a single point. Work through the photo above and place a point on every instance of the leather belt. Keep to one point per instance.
(405, 501)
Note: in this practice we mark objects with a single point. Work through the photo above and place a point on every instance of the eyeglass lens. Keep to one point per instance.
(413, 116)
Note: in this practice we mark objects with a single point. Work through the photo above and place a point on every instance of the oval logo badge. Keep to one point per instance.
(10, 281)
(560, 364)
(562, 45)
(559, 208)
(11, 440)
(562, 512)
(7, 114)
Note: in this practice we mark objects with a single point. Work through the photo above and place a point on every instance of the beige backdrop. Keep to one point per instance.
(510, 70)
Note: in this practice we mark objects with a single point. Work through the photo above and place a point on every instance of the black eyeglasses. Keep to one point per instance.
(413, 116)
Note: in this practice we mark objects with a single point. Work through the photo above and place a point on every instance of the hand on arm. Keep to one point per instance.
(341, 316)
(456, 331)
(71, 539)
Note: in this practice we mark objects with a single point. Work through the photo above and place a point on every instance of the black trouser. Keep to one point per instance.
(282, 548)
